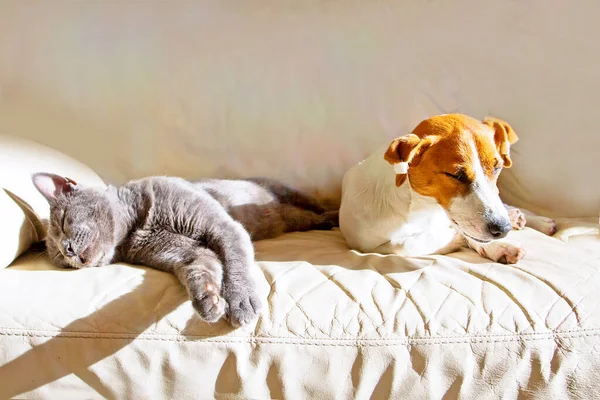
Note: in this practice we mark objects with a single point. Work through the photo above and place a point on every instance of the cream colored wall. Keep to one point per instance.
(301, 90)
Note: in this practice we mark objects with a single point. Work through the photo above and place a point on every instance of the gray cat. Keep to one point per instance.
(201, 231)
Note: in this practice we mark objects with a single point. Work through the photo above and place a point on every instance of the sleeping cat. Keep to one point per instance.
(201, 231)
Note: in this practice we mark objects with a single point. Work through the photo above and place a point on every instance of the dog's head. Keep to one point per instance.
(456, 160)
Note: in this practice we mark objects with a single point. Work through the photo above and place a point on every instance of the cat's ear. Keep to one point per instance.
(51, 185)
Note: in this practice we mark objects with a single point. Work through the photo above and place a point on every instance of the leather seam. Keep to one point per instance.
(539, 336)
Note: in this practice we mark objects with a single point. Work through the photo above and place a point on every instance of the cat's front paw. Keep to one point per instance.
(209, 305)
(243, 306)
(503, 251)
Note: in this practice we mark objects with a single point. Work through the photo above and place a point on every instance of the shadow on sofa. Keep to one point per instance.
(18, 377)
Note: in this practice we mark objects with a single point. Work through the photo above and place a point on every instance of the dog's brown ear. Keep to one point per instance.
(405, 149)
(504, 137)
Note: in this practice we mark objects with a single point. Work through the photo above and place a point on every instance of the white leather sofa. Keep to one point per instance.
(300, 91)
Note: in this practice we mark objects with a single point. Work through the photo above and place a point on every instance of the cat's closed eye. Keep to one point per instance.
(62, 223)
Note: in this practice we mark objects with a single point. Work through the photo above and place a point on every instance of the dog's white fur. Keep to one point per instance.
(376, 216)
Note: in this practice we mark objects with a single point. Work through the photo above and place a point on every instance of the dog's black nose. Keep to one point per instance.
(499, 228)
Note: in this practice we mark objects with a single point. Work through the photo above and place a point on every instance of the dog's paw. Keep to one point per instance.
(243, 306)
(517, 218)
(543, 224)
(209, 305)
(503, 251)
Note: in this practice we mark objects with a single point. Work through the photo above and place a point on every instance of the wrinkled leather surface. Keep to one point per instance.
(337, 324)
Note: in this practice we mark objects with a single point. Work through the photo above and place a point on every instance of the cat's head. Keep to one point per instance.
(81, 226)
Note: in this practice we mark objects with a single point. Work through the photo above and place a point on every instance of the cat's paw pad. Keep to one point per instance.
(542, 224)
(504, 252)
(243, 307)
(209, 305)
(517, 218)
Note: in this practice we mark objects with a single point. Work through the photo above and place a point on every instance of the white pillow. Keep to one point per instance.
(22, 208)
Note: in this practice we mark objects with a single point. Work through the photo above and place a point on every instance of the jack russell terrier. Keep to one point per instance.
(434, 190)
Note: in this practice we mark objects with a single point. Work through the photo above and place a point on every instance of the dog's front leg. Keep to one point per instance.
(458, 242)
(519, 219)
(502, 251)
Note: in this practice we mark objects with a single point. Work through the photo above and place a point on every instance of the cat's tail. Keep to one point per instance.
(331, 219)
(288, 195)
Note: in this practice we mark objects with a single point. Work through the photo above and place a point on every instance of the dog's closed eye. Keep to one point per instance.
(459, 176)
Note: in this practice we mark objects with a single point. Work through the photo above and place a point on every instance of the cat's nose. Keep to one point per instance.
(69, 251)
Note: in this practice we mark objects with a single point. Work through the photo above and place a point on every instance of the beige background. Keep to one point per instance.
(301, 90)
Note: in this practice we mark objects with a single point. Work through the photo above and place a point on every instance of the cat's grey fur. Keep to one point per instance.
(200, 231)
